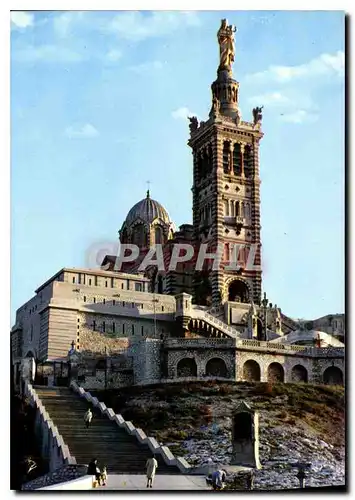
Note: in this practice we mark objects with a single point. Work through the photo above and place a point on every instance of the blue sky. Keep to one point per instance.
(98, 106)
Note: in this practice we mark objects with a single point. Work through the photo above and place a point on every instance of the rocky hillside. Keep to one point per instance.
(298, 423)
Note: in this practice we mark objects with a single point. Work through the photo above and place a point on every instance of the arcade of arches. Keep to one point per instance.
(215, 367)
(253, 371)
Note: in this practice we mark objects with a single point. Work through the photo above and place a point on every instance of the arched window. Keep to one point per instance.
(139, 237)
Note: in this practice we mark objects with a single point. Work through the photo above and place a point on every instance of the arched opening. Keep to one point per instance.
(238, 292)
(259, 329)
(236, 159)
(333, 376)
(275, 373)
(299, 374)
(186, 367)
(158, 235)
(226, 153)
(216, 367)
(251, 371)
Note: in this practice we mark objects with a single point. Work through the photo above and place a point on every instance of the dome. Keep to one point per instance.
(147, 210)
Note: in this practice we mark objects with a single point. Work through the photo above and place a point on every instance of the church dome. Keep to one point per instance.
(147, 210)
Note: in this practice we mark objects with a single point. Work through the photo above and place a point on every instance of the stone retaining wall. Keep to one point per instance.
(153, 445)
(53, 446)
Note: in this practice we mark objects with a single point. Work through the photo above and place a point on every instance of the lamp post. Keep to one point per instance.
(264, 303)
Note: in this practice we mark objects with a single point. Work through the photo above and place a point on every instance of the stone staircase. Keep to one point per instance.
(104, 440)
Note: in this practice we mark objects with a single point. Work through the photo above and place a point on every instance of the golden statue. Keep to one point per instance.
(225, 37)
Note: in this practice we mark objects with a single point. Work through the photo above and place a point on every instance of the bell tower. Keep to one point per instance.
(226, 184)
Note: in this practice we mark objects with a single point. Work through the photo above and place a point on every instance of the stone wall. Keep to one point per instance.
(109, 381)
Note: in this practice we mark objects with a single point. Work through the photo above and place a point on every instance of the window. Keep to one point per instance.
(94, 300)
(78, 320)
(162, 308)
(112, 282)
(127, 284)
(123, 328)
(106, 283)
(84, 298)
(142, 331)
(73, 279)
(104, 301)
(89, 281)
(113, 327)
(122, 286)
(132, 329)
(138, 287)
(142, 305)
(103, 326)
(94, 325)
(113, 302)
(124, 304)
(96, 281)
(133, 304)
(79, 279)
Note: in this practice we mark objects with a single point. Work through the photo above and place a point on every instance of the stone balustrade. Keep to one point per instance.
(291, 349)
(199, 342)
(154, 446)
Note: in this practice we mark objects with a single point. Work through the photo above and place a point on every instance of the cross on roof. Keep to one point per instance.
(148, 193)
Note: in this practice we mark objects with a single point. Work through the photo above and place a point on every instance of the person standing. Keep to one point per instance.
(88, 418)
(93, 469)
(151, 467)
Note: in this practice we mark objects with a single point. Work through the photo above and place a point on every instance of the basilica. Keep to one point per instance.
(109, 327)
